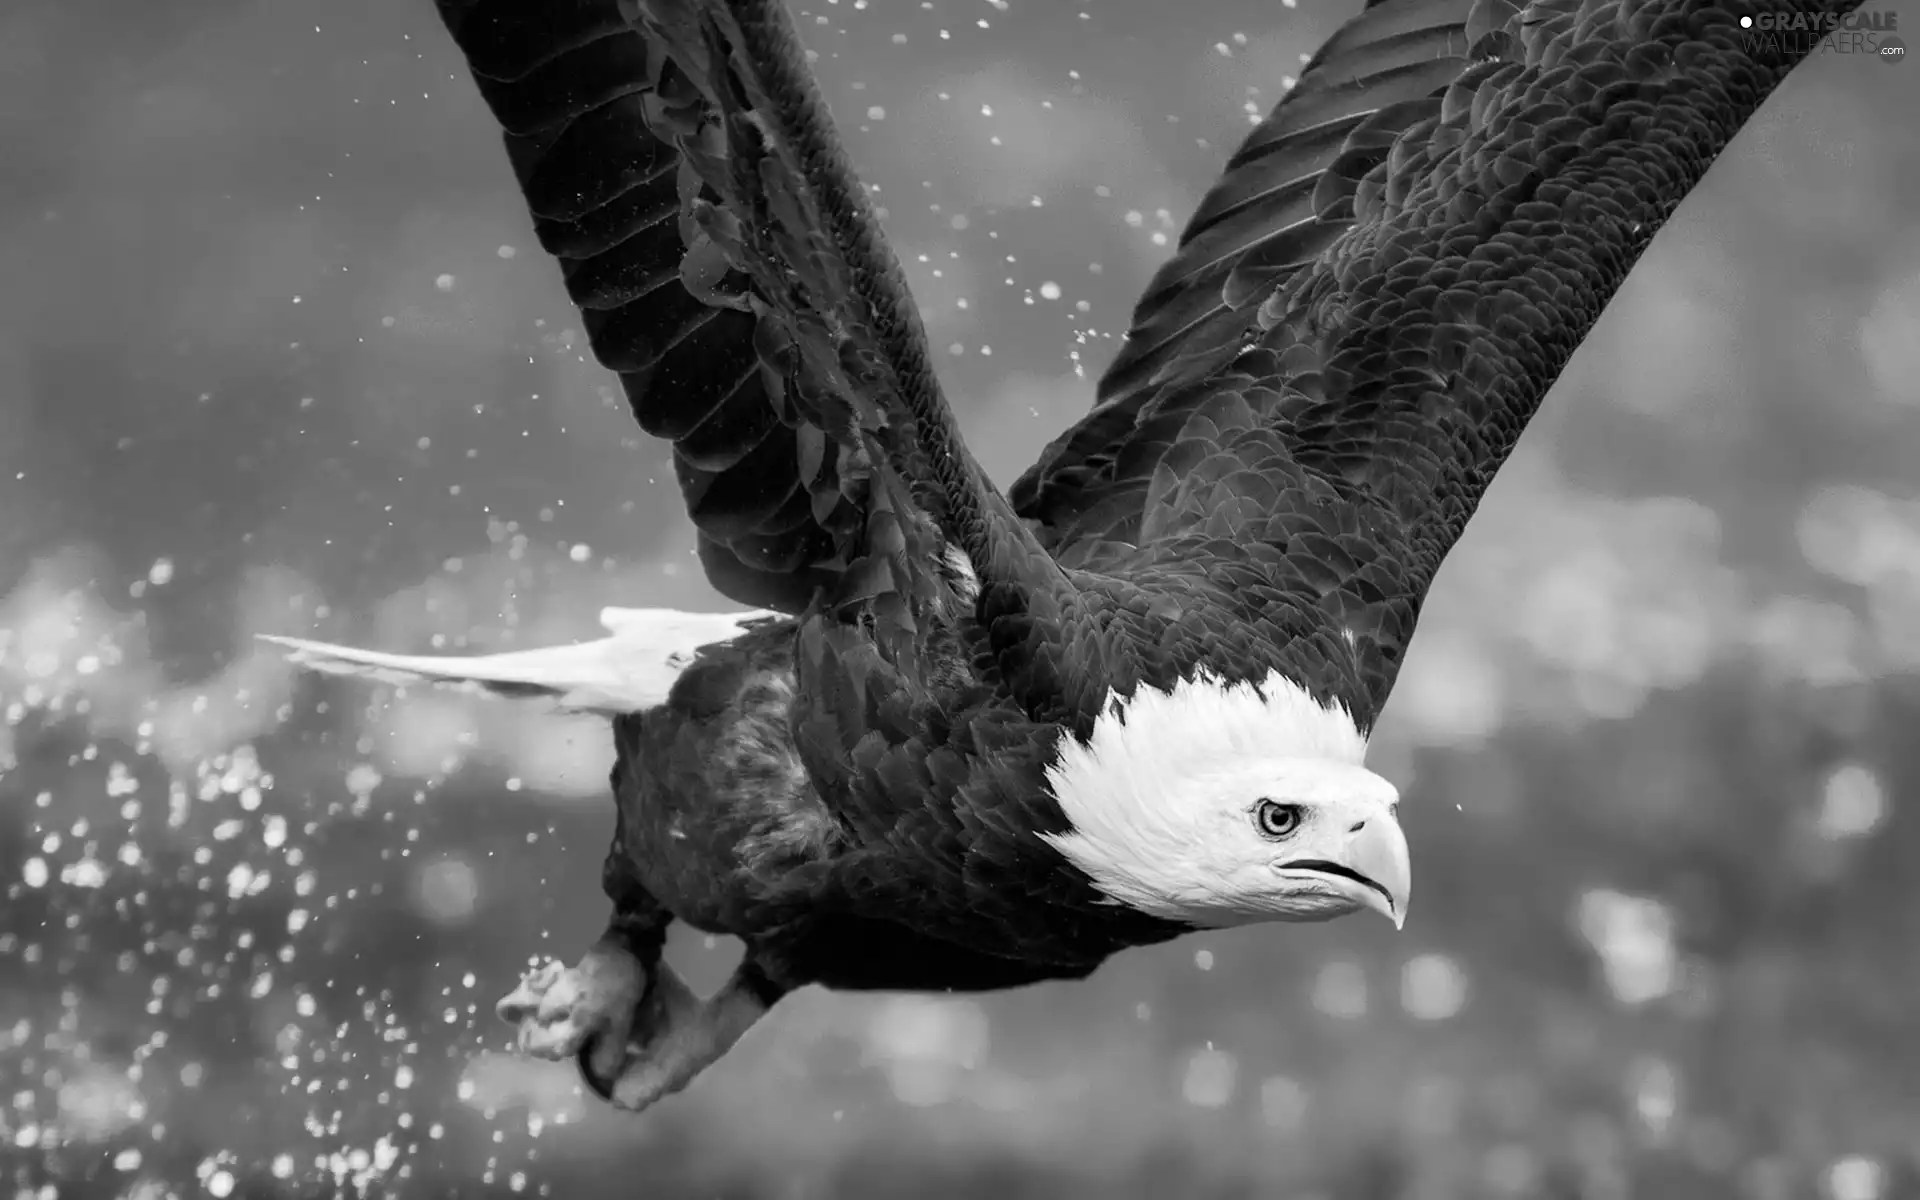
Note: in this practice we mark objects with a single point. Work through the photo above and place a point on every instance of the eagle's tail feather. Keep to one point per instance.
(628, 671)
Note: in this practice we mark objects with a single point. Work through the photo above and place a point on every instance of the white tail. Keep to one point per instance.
(626, 672)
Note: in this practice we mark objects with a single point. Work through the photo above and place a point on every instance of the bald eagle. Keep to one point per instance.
(968, 738)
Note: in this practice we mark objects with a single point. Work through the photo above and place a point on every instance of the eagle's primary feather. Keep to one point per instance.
(997, 737)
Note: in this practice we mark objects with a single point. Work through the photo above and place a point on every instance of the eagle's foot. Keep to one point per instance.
(563, 1011)
(672, 1037)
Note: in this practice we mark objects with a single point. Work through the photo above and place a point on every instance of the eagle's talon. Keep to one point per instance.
(591, 1079)
(562, 1012)
(672, 1036)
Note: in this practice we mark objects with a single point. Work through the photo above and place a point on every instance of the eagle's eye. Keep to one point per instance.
(1276, 820)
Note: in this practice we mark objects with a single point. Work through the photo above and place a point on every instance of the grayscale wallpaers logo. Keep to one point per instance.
(1870, 34)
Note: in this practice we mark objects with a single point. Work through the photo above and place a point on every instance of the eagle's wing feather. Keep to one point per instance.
(1370, 304)
(680, 165)
(1279, 204)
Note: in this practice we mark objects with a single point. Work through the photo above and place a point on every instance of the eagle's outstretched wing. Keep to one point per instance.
(1371, 302)
(679, 164)
(1358, 324)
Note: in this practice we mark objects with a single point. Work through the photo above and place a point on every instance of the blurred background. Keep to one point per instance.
(278, 354)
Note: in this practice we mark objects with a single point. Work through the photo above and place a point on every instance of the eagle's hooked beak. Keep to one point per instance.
(1372, 869)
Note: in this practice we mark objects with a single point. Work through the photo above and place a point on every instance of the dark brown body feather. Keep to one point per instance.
(1358, 324)
(717, 823)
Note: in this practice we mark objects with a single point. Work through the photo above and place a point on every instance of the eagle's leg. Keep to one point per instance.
(588, 1010)
(674, 1035)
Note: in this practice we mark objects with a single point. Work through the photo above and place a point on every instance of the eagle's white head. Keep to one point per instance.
(1223, 804)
